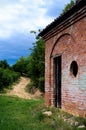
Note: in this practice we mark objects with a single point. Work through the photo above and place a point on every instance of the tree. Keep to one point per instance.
(20, 66)
(4, 64)
(68, 6)
(36, 64)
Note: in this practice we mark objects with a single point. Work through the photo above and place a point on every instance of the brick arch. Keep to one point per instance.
(63, 35)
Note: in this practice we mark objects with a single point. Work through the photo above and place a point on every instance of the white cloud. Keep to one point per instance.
(23, 16)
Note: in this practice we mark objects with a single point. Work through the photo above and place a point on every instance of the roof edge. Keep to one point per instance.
(63, 17)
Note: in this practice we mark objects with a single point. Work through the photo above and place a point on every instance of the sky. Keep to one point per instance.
(18, 18)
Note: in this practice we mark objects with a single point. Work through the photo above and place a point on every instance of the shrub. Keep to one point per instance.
(31, 88)
(41, 84)
(7, 77)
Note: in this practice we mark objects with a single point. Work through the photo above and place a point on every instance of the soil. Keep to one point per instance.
(19, 90)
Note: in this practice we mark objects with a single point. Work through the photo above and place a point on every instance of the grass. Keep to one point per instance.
(21, 114)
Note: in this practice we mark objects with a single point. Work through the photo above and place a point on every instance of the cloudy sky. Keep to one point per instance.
(18, 18)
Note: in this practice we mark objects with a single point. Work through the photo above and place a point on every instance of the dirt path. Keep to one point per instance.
(19, 90)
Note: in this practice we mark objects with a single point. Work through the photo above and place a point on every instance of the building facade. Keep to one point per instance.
(65, 61)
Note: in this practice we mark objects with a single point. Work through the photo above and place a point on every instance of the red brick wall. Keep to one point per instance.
(71, 45)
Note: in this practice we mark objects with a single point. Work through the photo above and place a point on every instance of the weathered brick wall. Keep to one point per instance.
(71, 45)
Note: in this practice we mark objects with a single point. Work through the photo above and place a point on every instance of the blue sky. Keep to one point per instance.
(18, 18)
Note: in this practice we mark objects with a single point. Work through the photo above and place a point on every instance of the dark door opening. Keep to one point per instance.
(58, 81)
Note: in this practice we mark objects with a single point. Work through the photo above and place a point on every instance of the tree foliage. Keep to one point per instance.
(4, 64)
(21, 66)
(36, 64)
(7, 76)
(68, 6)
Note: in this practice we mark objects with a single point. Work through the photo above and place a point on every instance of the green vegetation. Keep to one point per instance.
(7, 76)
(21, 66)
(4, 64)
(21, 114)
(36, 64)
(68, 6)
(30, 88)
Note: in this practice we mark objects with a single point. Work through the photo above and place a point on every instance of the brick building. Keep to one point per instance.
(65, 60)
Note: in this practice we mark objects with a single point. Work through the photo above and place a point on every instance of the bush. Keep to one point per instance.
(7, 77)
(31, 88)
(41, 84)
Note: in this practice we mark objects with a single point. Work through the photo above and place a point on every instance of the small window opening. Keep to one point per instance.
(74, 68)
